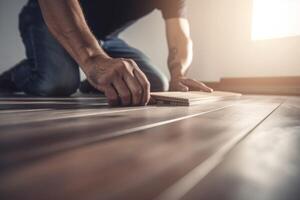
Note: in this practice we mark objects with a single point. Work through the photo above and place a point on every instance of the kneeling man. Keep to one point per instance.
(59, 36)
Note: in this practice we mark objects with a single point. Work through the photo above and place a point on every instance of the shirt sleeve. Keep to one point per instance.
(172, 8)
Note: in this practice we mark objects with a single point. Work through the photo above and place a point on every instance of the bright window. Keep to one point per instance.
(275, 19)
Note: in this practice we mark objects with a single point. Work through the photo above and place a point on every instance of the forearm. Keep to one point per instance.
(180, 47)
(180, 57)
(66, 22)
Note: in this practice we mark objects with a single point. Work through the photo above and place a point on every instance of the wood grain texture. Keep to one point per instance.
(265, 166)
(37, 137)
(124, 153)
(190, 98)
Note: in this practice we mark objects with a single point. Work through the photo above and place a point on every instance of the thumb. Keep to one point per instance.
(181, 87)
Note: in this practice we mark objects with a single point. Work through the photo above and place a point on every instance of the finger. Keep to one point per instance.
(135, 89)
(133, 84)
(111, 95)
(144, 83)
(123, 92)
(196, 85)
(152, 101)
(141, 77)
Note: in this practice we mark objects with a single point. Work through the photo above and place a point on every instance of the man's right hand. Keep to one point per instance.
(121, 80)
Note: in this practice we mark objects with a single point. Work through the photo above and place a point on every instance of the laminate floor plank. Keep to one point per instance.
(57, 106)
(266, 166)
(45, 115)
(136, 166)
(13, 112)
(32, 99)
(31, 140)
(21, 102)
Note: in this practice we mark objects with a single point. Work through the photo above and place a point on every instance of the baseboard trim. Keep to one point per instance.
(260, 85)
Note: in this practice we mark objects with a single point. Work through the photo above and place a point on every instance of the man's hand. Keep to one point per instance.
(120, 79)
(180, 56)
(185, 84)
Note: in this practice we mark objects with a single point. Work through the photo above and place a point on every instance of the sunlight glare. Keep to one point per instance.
(275, 19)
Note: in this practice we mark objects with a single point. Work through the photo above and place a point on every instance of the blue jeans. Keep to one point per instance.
(50, 71)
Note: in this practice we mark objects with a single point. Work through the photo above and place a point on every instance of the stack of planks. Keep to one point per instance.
(190, 98)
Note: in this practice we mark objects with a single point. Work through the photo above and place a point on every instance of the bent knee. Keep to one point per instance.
(55, 90)
(59, 87)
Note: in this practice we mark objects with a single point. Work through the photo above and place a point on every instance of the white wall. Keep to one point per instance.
(221, 30)
(11, 47)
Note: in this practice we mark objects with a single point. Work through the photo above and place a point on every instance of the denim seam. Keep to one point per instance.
(31, 42)
(33, 47)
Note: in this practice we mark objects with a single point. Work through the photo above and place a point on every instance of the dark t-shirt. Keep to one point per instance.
(110, 17)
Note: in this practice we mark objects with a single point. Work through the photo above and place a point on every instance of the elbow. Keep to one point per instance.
(189, 41)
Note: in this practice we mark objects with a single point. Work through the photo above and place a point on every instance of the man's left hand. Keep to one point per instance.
(185, 84)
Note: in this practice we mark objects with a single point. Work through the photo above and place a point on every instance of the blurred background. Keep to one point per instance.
(232, 38)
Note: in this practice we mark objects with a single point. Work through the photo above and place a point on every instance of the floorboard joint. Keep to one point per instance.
(178, 190)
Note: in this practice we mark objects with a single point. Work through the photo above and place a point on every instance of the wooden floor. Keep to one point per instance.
(79, 148)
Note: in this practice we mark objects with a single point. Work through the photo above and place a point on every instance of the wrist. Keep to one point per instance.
(176, 73)
(93, 61)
